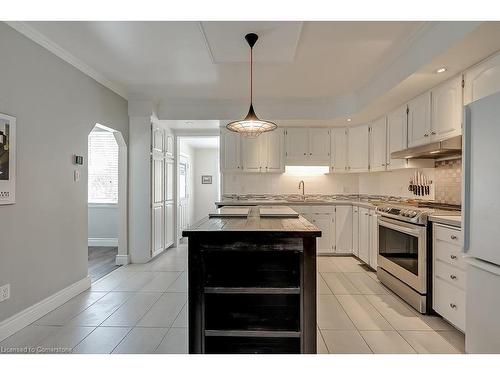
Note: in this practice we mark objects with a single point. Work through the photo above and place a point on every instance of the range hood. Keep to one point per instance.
(448, 147)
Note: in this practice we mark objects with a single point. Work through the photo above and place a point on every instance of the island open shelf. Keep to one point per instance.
(252, 285)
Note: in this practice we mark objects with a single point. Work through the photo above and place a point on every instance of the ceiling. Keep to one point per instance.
(200, 142)
(321, 71)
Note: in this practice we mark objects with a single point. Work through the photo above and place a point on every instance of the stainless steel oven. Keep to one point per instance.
(402, 257)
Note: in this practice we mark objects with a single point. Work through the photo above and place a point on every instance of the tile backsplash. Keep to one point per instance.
(448, 181)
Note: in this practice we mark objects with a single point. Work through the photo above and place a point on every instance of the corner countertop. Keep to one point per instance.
(453, 220)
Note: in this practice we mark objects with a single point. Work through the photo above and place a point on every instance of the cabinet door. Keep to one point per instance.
(169, 224)
(373, 239)
(297, 146)
(230, 151)
(343, 229)
(157, 210)
(447, 109)
(169, 145)
(274, 146)
(482, 80)
(364, 235)
(158, 135)
(158, 238)
(358, 149)
(378, 142)
(325, 223)
(319, 146)
(338, 150)
(419, 120)
(396, 136)
(355, 230)
(251, 151)
(169, 179)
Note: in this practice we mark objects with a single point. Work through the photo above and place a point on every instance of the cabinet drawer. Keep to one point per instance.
(451, 274)
(449, 301)
(447, 234)
(448, 253)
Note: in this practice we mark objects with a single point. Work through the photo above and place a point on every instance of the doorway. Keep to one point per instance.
(107, 184)
(198, 178)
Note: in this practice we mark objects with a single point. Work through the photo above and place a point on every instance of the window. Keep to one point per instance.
(103, 167)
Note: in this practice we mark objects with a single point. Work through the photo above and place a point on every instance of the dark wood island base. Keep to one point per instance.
(252, 285)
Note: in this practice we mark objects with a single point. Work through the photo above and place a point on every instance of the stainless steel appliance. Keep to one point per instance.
(480, 224)
(403, 253)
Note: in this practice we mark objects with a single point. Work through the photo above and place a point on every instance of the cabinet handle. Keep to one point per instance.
(453, 306)
(383, 165)
(305, 153)
(433, 132)
(310, 153)
(453, 277)
(453, 237)
(454, 257)
(426, 135)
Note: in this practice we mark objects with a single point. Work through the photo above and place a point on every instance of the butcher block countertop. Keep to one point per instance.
(254, 224)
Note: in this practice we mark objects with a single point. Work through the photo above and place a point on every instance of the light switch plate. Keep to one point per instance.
(4, 292)
(77, 175)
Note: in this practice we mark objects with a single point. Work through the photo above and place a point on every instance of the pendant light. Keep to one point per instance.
(251, 125)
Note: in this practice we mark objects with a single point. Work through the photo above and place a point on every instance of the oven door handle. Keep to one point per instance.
(392, 224)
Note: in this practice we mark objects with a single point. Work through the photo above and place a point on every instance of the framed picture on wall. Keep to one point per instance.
(7, 159)
(206, 180)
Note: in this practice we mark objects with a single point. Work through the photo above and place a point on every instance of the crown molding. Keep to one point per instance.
(42, 40)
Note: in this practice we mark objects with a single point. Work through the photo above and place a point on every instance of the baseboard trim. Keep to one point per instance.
(24, 318)
(122, 260)
(112, 242)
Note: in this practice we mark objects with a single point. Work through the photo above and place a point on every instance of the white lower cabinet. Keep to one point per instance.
(373, 239)
(448, 275)
(343, 230)
(355, 230)
(364, 235)
(326, 223)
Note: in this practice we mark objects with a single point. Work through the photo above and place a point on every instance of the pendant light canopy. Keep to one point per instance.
(251, 125)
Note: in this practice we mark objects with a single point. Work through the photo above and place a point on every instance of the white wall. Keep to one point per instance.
(206, 162)
(260, 183)
(103, 224)
(43, 246)
(394, 183)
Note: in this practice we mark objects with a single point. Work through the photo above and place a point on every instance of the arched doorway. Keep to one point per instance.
(107, 201)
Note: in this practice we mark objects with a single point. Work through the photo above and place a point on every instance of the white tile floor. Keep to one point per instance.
(143, 309)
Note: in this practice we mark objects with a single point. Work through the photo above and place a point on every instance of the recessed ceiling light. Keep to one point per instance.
(441, 70)
(189, 123)
(349, 120)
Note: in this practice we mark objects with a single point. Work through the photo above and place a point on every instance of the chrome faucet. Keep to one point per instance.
(301, 183)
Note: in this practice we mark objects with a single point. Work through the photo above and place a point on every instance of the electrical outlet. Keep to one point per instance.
(4, 292)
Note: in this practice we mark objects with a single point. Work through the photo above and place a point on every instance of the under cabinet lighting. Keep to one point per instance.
(306, 170)
(349, 119)
(441, 70)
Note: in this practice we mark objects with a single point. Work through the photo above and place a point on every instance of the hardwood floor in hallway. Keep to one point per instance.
(101, 261)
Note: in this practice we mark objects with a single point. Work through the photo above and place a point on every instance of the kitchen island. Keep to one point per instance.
(252, 285)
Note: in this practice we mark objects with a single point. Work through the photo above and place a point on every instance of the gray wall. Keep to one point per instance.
(103, 221)
(43, 237)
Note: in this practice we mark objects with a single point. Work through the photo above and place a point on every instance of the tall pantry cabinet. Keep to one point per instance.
(162, 190)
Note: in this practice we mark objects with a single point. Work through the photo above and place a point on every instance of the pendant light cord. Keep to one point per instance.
(251, 75)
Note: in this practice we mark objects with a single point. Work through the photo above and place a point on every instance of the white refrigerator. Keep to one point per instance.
(481, 224)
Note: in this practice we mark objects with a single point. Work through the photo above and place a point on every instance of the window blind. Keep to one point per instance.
(103, 167)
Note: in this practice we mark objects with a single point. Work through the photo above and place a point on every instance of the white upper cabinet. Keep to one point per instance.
(296, 145)
(446, 119)
(358, 148)
(338, 150)
(169, 144)
(307, 146)
(252, 153)
(158, 136)
(343, 229)
(230, 157)
(396, 136)
(482, 80)
(378, 145)
(419, 120)
(319, 146)
(259, 154)
(275, 161)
